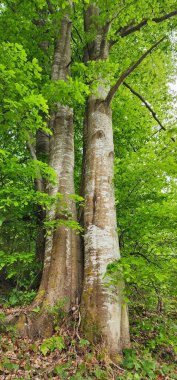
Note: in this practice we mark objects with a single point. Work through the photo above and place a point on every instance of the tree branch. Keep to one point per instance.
(125, 31)
(76, 30)
(104, 46)
(130, 70)
(148, 107)
(50, 7)
(31, 150)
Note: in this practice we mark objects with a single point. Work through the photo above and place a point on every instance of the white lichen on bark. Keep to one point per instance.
(101, 239)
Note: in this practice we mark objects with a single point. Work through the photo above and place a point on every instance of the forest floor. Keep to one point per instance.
(68, 356)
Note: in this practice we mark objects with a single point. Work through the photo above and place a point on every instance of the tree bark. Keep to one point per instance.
(104, 312)
(61, 277)
(42, 154)
(39, 152)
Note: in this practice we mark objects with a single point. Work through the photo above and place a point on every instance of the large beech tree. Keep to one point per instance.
(107, 42)
(62, 266)
(108, 311)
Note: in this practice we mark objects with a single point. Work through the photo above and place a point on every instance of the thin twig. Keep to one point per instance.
(154, 115)
(76, 30)
(128, 71)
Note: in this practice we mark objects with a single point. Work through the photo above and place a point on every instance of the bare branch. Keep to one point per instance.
(146, 104)
(125, 31)
(137, 253)
(50, 7)
(148, 107)
(128, 71)
(76, 47)
(78, 34)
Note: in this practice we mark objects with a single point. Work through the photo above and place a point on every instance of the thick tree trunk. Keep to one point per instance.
(104, 312)
(61, 255)
(62, 262)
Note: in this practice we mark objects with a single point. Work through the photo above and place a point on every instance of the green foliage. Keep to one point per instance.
(76, 362)
(21, 102)
(145, 162)
(51, 344)
(58, 312)
(158, 331)
(19, 297)
(70, 93)
(64, 204)
(62, 370)
(18, 267)
(5, 328)
(52, 225)
(8, 365)
(99, 373)
(139, 366)
(84, 343)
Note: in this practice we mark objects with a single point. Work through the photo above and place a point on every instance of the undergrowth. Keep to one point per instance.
(69, 355)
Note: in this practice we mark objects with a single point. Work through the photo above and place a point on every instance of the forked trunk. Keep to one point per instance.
(104, 312)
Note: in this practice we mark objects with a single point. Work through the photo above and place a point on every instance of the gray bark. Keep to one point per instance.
(104, 313)
(61, 263)
(62, 260)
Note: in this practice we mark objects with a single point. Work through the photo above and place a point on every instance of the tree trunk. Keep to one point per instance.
(104, 313)
(61, 278)
(42, 154)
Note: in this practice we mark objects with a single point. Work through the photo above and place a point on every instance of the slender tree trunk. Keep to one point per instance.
(40, 151)
(42, 154)
(62, 262)
(104, 313)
